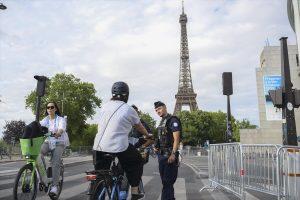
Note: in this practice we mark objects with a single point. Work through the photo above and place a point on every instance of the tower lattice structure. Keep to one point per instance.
(185, 95)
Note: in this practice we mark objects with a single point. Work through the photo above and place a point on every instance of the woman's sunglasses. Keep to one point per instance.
(50, 107)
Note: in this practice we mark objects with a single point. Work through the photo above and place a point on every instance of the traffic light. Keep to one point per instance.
(41, 84)
(276, 97)
(227, 83)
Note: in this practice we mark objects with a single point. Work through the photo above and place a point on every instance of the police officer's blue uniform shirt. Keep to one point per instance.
(174, 125)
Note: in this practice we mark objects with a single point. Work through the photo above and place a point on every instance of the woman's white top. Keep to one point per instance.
(54, 125)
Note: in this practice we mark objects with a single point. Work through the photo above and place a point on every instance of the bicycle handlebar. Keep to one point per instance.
(50, 134)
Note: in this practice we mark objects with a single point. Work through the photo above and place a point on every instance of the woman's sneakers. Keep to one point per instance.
(137, 196)
(53, 191)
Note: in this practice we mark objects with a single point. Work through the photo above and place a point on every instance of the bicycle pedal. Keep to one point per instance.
(46, 189)
(41, 187)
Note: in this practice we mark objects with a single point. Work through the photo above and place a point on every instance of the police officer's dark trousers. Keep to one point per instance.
(130, 159)
(168, 174)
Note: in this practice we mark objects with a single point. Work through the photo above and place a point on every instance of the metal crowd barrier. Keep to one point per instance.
(288, 171)
(226, 168)
(260, 166)
(270, 169)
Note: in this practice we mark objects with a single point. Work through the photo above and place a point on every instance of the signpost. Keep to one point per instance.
(286, 98)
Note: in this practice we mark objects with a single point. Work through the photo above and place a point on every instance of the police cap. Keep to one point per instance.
(158, 104)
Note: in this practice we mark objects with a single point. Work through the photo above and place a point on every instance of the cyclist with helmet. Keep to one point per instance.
(116, 120)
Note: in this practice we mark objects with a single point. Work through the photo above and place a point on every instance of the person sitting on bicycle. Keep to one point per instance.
(115, 122)
(135, 137)
(56, 144)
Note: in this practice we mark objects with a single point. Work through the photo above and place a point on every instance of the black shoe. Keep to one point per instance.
(137, 196)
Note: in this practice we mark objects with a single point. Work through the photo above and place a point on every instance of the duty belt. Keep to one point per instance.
(165, 151)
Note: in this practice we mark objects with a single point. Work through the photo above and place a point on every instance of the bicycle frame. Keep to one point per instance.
(35, 170)
(38, 167)
(115, 189)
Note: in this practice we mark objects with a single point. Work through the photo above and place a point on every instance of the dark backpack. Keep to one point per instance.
(34, 130)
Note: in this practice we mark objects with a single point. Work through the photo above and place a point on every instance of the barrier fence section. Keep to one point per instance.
(288, 171)
(226, 168)
(260, 166)
(270, 169)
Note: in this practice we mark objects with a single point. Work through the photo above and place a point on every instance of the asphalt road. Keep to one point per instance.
(187, 185)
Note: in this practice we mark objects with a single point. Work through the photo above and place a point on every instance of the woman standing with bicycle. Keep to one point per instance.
(56, 144)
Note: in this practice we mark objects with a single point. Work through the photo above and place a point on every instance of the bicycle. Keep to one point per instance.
(107, 183)
(34, 173)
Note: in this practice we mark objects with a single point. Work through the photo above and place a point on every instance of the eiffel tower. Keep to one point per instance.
(185, 95)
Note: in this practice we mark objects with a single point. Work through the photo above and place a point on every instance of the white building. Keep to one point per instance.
(268, 76)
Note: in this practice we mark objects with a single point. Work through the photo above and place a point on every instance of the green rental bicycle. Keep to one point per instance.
(33, 175)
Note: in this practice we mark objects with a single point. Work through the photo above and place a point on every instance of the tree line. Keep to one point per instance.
(78, 101)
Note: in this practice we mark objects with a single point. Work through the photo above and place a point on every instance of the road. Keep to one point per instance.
(187, 185)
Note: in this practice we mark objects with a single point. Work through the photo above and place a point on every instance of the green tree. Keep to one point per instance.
(76, 99)
(199, 126)
(88, 135)
(150, 121)
(245, 124)
(219, 127)
(196, 126)
(13, 131)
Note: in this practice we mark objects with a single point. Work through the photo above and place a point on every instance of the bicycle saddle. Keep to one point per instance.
(109, 155)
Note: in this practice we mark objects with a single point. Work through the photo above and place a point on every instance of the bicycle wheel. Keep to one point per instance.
(60, 184)
(100, 192)
(115, 195)
(25, 186)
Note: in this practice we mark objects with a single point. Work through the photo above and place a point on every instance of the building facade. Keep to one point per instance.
(268, 76)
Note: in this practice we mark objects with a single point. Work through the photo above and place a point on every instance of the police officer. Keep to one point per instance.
(167, 145)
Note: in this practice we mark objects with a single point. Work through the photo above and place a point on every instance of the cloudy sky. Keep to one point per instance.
(137, 41)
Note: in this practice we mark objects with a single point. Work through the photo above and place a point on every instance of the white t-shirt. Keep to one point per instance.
(54, 125)
(112, 134)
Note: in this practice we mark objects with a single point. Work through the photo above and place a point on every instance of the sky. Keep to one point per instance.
(138, 41)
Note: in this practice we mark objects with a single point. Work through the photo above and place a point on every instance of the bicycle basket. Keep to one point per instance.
(32, 149)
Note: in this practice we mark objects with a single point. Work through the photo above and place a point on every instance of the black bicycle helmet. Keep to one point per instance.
(120, 89)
